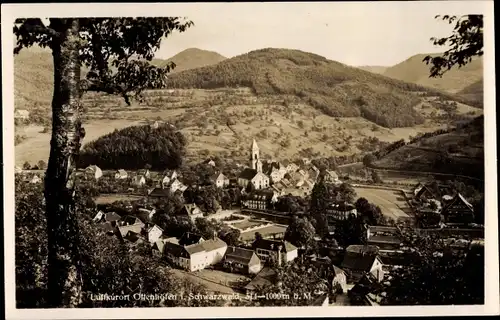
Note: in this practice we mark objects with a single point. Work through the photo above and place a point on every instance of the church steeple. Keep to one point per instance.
(255, 157)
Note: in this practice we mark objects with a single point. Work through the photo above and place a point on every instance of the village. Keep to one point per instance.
(247, 264)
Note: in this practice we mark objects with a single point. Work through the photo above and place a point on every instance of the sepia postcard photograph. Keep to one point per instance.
(226, 160)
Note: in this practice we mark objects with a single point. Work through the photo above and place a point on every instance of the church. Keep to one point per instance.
(254, 175)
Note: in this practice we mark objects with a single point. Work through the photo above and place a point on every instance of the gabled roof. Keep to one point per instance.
(248, 174)
(218, 175)
(175, 249)
(159, 245)
(93, 168)
(458, 198)
(130, 220)
(124, 230)
(264, 278)
(112, 216)
(142, 172)
(208, 245)
(159, 192)
(191, 207)
(273, 245)
(189, 238)
(337, 271)
(239, 255)
(121, 171)
(359, 261)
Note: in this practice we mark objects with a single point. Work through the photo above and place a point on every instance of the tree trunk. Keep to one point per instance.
(64, 274)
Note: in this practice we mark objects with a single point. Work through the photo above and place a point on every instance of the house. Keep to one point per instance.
(176, 254)
(339, 278)
(275, 170)
(279, 251)
(331, 177)
(189, 238)
(360, 259)
(220, 180)
(155, 125)
(94, 171)
(196, 256)
(165, 181)
(191, 210)
(427, 192)
(265, 278)
(242, 261)
(175, 185)
(312, 172)
(458, 211)
(211, 162)
(153, 233)
(121, 174)
(259, 199)
(385, 238)
(292, 167)
(18, 169)
(98, 217)
(146, 214)
(158, 248)
(158, 193)
(144, 172)
(139, 181)
(35, 179)
(21, 114)
(340, 211)
(112, 217)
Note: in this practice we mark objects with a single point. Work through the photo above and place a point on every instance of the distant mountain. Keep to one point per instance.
(191, 58)
(374, 69)
(33, 78)
(33, 72)
(474, 92)
(334, 88)
(414, 70)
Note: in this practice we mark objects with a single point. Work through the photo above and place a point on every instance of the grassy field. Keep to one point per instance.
(224, 122)
(269, 230)
(110, 198)
(392, 203)
(247, 224)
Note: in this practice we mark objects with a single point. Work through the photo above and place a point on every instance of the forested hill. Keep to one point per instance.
(191, 58)
(136, 147)
(414, 70)
(474, 92)
(332, 87)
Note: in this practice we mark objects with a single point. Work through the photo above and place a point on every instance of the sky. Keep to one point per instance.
(355, 33)
(375, 33)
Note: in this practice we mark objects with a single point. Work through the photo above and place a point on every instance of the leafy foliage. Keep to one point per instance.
(300, 232)
(107, 264)
(134, 147)
(116, 51)
(466, 42)
(438, 276)
(370, 213)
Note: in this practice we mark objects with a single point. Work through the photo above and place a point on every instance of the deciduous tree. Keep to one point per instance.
(117, 51)
(465, 43)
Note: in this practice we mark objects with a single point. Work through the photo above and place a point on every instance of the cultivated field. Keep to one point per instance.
(223, 122)
(392, 203)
